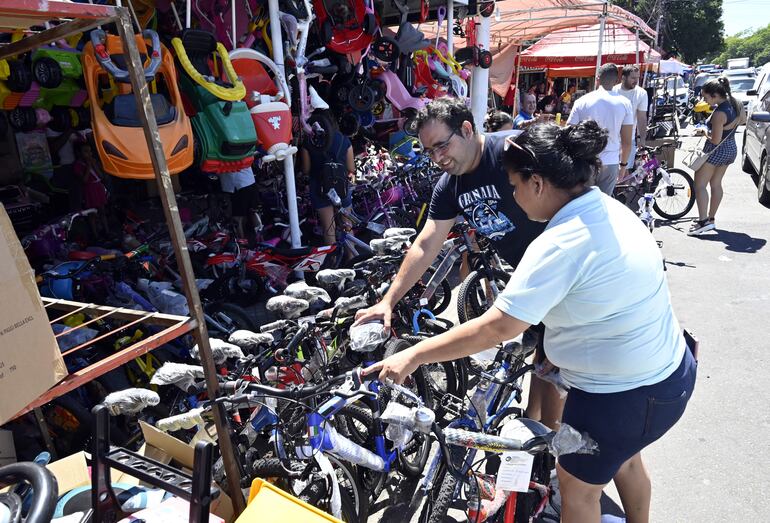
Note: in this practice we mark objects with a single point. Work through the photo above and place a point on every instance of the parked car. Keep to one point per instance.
(740, 87)
(672, 88)
(756, 146)
(745, 71)
(760, 87)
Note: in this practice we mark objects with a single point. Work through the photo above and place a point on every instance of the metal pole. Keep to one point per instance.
(288, 163)
(450, 24)
(480, 78)
(637, 45)
(171, 212)
(516, 93)
(602, 23)
(233, 37)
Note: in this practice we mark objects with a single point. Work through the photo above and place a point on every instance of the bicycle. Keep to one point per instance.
(669, 192)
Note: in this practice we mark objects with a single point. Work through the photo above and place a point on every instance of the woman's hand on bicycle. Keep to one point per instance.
(396, 367)
(378, 312)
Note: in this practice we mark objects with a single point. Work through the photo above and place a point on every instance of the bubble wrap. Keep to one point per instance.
(569, 441)
(301, 290)
(179, 374)
(334, 276)
(246, 339)
(287, 306)
(399, 231)
(220, 350)
(345, 304)
(390, 245)
(130, 401)
(187, 420)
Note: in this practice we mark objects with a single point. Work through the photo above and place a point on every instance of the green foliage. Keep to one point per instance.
(692, 28)
(755, 45)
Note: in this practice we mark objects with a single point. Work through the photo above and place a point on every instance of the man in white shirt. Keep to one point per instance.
(614, 114)
(629, 88)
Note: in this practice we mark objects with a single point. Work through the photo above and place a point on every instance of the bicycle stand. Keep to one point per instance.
(195, 488)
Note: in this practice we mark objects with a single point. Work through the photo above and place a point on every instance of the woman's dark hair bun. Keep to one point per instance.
(584, 141)
(724, 82)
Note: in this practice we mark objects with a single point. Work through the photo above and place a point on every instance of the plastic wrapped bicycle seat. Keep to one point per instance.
(130, 401)
(179, 374)
(287, 306)
(345, 304)
(367, 337)
(334, 276)
(398, 231)
(569, 441)
(249, 340)
(220, 350)
(303, 291)
(392, 245)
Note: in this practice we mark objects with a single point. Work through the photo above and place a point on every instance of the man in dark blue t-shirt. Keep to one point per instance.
(474, 185)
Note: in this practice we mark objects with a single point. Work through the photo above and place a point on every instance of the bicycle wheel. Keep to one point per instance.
(473, 299)
(355, 423)
(678, 198)
(229, 318)
(413, 457)
(440, 499)
(442, 377)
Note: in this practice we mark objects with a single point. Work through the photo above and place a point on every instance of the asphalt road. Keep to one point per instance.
(714, 465)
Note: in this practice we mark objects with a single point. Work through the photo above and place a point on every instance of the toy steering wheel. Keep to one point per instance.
(99, 41)
(44, 488)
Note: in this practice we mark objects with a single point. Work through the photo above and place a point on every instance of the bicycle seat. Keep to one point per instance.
(335, 276)
(220, 350)
(523, 429)
(287, 306)
(303, 291)
(180, 374)
(246, 339)
(398, 231)
(130, 401)
(390, 245)
(345, 304)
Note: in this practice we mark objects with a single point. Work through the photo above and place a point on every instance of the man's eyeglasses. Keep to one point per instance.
(440, 147)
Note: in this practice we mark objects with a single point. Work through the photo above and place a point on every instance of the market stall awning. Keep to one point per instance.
(577, 47)
(518, 21)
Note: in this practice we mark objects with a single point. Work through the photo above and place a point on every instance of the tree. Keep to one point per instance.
(754, 45)
(693, 28)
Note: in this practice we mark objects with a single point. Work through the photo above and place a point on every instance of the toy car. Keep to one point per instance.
(118, 132)
(225, 136)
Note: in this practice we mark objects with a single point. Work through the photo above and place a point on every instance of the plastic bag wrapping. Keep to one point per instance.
(391, 245)
(220, 350)
(413, 418)
(130, 401)
(567, 440)
(334, 276)
(287, 306)
(276, 325)
(346, 450)
(326, 467)
(163, 297)
(74, 338)
(345, 304)
(249, 340)
(303, 291)
(553, 377)
(399, 231)
(399, 435)
(368, 336)
(187, 420)
(179, 374)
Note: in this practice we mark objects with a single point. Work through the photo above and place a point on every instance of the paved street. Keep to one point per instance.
(713, 466)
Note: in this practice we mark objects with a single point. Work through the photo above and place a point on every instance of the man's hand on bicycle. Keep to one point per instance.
(381, 311)
(396, 367)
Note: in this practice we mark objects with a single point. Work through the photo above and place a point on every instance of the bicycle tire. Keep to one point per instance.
(422, 388)
(442, 297)
(472, 294)
(238, 316)
(435, 508)
(690, 188)
(453, 383)
(316, 493)
(372, 481)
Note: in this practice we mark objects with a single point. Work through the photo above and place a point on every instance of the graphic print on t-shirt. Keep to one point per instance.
(480, 205)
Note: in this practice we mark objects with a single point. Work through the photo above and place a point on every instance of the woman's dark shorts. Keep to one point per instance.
(320, 200)
(623, 423)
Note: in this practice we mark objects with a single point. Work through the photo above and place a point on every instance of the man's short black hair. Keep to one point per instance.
(450, 111)
(607, 73)
(628, 69)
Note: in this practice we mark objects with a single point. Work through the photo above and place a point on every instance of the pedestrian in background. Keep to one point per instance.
(629, 88)
(498, 121)
(613, 113)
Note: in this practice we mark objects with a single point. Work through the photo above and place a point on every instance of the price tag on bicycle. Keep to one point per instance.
(515, 471)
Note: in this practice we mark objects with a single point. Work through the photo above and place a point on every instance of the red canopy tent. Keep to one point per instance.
(576, 48)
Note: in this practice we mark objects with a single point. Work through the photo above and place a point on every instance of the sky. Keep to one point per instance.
(738, 15)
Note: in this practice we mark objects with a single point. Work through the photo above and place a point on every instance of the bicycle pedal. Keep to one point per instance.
(453, 405)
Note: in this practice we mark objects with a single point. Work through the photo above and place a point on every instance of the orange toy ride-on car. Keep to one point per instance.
(117, 128)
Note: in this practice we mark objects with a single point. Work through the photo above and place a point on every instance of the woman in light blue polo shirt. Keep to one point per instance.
(595, 278)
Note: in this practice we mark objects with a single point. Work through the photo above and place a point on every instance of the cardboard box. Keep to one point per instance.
(72, 472)
(30, 359)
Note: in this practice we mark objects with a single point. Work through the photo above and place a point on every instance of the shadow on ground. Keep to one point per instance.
(735, 241)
